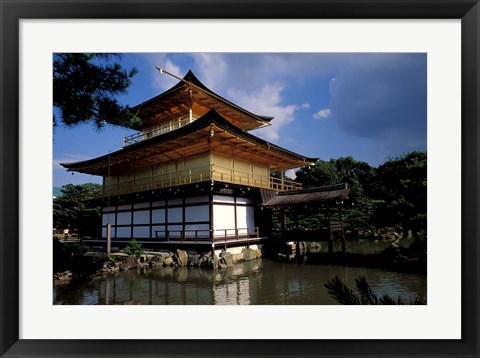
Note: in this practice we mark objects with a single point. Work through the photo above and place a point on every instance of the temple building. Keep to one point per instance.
(193, 174)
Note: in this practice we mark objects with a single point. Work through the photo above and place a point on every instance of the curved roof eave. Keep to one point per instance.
(190, 77)
(310, 196)
(211, 117)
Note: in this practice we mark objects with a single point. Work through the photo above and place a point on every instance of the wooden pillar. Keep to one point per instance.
(341, 228)
(107, 292)
(282, 219)
(330, 234)
(212, 236)
(150, 291)
(282, 179)
(109, 238)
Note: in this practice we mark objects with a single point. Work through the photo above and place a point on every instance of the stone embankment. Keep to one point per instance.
(122, 262)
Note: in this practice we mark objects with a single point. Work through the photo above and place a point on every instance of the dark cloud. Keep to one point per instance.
(384, 97)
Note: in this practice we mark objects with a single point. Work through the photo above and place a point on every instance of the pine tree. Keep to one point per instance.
(85, 86)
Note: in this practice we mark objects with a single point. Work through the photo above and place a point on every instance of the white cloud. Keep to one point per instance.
(290, 174)
(267, 101)
(255, 82)
(323, 113)
(212, 69)
(162, 82)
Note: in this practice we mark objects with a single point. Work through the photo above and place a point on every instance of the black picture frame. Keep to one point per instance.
(12, 11)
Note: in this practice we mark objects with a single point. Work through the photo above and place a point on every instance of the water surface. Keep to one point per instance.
(258, 282)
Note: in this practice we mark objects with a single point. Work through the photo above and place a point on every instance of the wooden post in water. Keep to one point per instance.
(282, 219)
(342, 232)
(107, 292)
(330, 234)
(109, 238)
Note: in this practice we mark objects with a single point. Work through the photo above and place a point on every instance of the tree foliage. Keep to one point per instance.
(402, 184)
(74, 211)
(393, 194)
(358, 175)
(342, 170)
(85, 86)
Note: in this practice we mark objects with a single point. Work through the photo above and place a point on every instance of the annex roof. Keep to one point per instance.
(211, 132)
(191, 92)
(310, 196)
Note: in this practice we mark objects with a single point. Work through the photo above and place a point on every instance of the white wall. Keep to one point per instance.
(197, 213)
(123, 232)
(124, 218)
(105, 218)
(245, 220)
(175, 215)
(196, 218)
(141, 231)
(141, 217)
(223, 218)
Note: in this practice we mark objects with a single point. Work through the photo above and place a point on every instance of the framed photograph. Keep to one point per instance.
(439, 40)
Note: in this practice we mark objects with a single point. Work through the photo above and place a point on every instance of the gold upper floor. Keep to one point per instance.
(207, 167)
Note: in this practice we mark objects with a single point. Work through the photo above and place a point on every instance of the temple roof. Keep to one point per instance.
(310, 196)
(211, 132)
(191, 92)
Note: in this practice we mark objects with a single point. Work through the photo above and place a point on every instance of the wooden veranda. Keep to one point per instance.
(327, 200)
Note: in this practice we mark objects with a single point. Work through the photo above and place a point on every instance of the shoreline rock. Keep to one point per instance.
(122, 263)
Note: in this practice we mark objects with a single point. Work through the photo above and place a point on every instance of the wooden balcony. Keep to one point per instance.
(158, 130)
(197, 175)
(207, 239)
(209, 236)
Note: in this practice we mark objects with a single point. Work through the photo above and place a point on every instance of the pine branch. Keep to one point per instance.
(340, 292)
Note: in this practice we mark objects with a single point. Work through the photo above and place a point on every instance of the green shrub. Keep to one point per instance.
(72, 257)
(133, 248)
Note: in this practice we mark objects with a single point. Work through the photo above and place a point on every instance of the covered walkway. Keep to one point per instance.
(322, 202)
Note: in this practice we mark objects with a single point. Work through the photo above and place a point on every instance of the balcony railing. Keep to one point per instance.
(197, 175)
(216, 236)
(161, 129)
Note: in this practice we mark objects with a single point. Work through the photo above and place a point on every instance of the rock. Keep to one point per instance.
(168, 261)
(203, 262)
(208, 261)
(221, 264)
(129, 263)
(302, 246)
(182, 258)
(215, 262)
(249, 254)
(160, 258)
(226, 258)
(237, 257)
(259, 253)
(63, 276)
(193, 260)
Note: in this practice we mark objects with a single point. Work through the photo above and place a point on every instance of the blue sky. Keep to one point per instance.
(370, 106)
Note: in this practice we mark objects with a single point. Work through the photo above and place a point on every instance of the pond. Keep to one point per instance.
(259, 282)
